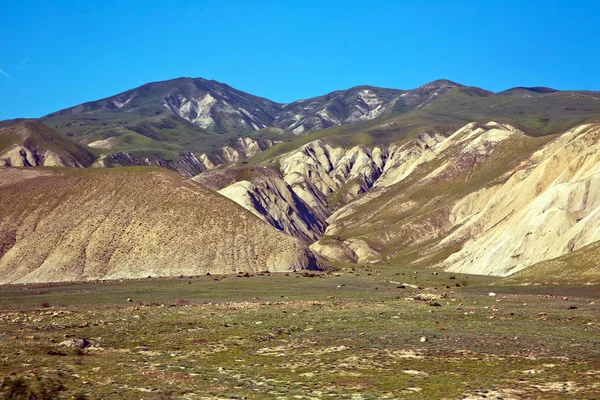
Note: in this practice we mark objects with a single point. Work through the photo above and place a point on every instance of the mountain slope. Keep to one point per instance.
(267, 195)
(579, 267)
(541, 212)
(31, 143)
(488, 199)
(171, 123)
(162, 120)
(341, 107)
(60, 225)
(188, 163)
(207, 104)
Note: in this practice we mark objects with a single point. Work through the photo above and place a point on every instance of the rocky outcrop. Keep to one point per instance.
(314, 180)
(68, 224)
(238, 150)
(326, 177)
(500, 220)
(471, 201)
(425, 162)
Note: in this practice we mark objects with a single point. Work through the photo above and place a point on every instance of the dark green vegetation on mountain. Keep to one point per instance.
(163, 119)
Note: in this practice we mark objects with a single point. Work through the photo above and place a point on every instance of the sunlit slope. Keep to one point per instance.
(60, 225)
(31, 143)
(490, 200)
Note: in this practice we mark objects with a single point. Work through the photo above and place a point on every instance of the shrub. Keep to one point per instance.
(39, 388)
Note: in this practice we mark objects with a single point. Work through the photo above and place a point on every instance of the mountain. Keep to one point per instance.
(486, 199)
(182, 123)
(165, 120)
(76, 224)
(527, 91)
(207, 104)
(360, 103)
(31, 143)
(443, 176)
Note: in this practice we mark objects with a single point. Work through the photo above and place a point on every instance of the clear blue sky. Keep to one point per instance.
(56, 54)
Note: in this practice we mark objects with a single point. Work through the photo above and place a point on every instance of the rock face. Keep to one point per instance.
(31, 144)
(237, 150)
(314, 179)
(267, 195)
(377, 175)
(66, 225)
(322, 175)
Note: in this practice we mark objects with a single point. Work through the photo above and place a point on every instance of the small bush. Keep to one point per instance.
(39, 388)
(44, 304)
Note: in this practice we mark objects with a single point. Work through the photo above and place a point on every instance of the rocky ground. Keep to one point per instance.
(355, 333)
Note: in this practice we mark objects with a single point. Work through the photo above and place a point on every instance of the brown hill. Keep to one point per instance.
(71, 224)
(30, 143)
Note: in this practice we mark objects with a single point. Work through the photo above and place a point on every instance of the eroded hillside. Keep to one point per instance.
(487, 199)
(30, 143)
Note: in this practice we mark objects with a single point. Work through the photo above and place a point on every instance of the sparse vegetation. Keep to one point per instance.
(348, 332)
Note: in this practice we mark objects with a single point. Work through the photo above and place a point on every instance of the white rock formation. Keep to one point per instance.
(546, 209)
(21, 156)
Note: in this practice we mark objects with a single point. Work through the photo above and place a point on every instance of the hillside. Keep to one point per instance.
(428, 177)
(31, 143)
(163, 120)
(487, 199)
(180, 123)
(70, 224)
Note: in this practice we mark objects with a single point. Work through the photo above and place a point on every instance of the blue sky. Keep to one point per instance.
(56, 54)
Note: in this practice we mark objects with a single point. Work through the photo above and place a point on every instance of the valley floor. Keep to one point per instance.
(355, 333)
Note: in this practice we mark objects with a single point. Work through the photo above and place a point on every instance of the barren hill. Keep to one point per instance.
(70, 224)
(31, 143)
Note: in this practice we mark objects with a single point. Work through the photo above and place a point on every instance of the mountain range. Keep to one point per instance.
(441, 176)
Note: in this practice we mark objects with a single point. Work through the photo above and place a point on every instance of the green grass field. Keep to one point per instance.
(362, 333)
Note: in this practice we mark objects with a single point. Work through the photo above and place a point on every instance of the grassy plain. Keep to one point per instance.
(362, 333)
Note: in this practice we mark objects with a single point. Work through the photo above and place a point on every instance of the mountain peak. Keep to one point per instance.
(441, 83)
